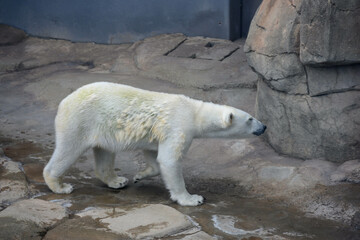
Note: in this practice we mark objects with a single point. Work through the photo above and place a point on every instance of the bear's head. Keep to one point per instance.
(235, 123)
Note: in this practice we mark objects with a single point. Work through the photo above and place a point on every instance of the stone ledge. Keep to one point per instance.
(198, 62)
(43, 213)
(142, 221)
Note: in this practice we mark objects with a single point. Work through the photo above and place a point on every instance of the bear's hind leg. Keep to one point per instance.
(104, 168)
(152, 166)
(61, 160)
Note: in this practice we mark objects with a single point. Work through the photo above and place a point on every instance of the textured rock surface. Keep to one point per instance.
(85, 228)
(275, 29)
(348, 171)
(29, 219)
(11, 228)
(330, 33)
(355, 221)
(204, 48)
(272, 47)
(325, 80)
(313, 172)
(42, 213)
(203, 63)
(276, 173)
(198, 236)
(311, 112)
(34, 52)
(13, 184)
(311, 127)
(283, 73)
(147, 221)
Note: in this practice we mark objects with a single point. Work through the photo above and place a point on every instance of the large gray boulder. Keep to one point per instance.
(311, 127)
(308, 93)
(272, 47)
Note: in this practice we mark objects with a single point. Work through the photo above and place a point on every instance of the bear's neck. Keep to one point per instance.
(208, 118)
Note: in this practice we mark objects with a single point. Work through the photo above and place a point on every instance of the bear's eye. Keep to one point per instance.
(250, 119)
(231, 116)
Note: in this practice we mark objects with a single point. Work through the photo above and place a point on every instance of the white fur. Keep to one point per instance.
(111, 117)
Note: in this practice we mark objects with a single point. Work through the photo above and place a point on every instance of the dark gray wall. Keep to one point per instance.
(249, 8)
(117, 21)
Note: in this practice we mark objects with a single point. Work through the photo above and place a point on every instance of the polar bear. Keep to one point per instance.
(110, 117)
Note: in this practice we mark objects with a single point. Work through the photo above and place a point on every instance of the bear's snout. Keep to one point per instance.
(260, 130)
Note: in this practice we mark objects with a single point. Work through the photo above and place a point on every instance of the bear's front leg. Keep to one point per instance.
(169, 160)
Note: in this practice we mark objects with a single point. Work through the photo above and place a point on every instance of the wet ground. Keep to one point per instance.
(229, 213)
(245, 182)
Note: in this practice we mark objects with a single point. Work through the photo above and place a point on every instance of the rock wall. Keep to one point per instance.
(307, 56)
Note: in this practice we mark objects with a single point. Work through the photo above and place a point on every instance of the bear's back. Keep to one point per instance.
(127, 112)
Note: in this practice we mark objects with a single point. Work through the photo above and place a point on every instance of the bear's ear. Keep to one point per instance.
(228, 119)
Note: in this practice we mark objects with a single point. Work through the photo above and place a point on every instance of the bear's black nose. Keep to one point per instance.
(260, 131)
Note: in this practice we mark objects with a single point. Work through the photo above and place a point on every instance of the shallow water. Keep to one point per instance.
(226, 214)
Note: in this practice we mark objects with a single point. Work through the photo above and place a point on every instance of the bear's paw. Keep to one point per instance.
(118, 182)
(190, 200)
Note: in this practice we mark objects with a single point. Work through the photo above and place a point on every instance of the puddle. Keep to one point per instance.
(25, 152)
(62, 202)
(245, 218)
(225, 215)
(226, 224)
